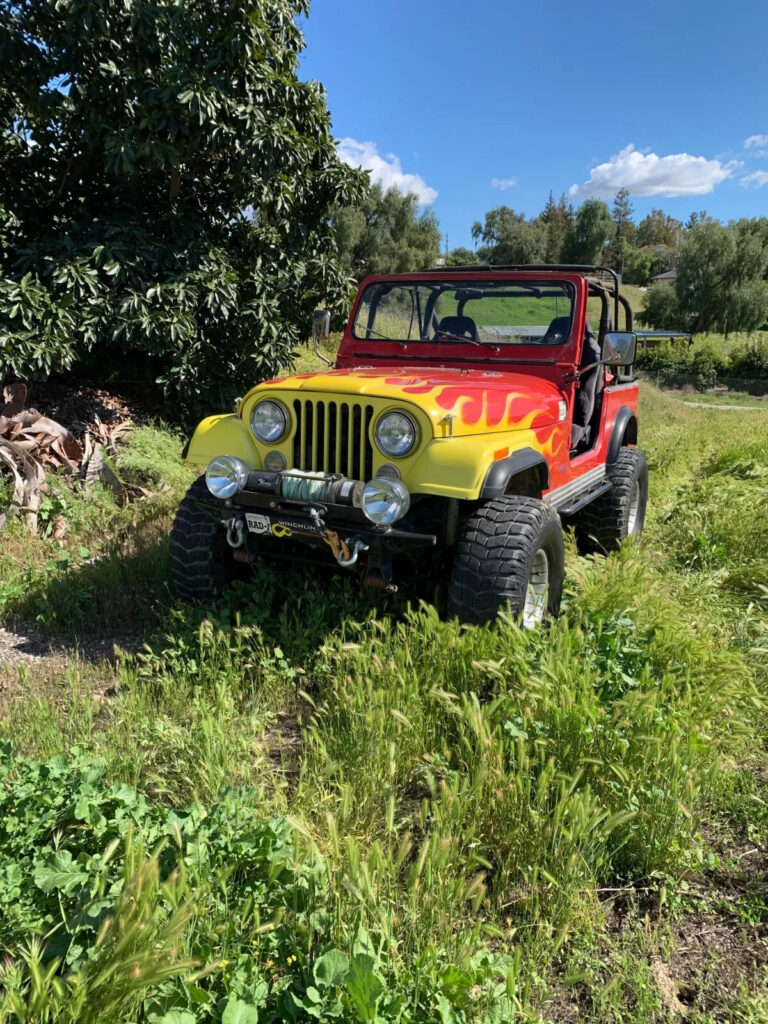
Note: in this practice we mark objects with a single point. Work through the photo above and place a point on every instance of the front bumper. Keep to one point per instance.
(260, 523)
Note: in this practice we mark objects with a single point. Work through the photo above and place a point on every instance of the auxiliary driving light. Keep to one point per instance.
(226, 476)
(385, 500)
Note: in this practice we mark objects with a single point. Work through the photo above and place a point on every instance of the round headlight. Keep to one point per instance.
(226, 476)
(269, 421)
(395, 434)
(385, 500)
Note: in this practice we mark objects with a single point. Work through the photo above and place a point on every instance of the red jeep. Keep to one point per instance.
(470, 410)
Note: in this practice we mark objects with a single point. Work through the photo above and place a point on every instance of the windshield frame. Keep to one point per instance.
(422, 314)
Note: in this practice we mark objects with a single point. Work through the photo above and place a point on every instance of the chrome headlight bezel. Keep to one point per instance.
(393, 451)
(226, 476)
(281, 421)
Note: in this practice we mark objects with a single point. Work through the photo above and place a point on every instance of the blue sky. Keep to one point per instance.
(474, 103)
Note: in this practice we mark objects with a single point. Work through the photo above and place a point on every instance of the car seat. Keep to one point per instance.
(462, 326)
(558, 331)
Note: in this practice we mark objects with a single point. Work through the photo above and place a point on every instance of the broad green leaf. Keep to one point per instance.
(330, 968)
(238, 1012)
(365, 989)
(60, 872)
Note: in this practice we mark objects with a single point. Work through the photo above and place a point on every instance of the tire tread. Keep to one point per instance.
(493, 557)
(195, 544)
(601, 526)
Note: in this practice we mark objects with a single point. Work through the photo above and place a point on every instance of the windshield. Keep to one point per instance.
(475, 312)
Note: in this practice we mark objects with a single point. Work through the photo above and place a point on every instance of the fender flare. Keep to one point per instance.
(624, 431)
(498, 476)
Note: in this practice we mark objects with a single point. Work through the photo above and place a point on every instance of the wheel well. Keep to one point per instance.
(500, 478)
(630, 434)
(624, 432)
(527, 483)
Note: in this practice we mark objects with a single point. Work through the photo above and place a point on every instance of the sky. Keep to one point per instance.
(473, 104)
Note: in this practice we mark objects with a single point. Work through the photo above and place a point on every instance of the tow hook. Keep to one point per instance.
(235, 534)
(357, 547)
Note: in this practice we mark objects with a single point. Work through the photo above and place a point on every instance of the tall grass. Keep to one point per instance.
(455, 799)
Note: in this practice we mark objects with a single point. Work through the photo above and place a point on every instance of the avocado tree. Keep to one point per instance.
(165, 191)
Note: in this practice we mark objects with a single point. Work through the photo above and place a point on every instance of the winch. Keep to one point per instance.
(326, 488)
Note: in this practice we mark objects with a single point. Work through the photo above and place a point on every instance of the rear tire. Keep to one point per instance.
(201, 560)
(510, 554)
(619, 513)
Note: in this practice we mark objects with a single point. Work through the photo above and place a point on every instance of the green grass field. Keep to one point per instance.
(312, 803)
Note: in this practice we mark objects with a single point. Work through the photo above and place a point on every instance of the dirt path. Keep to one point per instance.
(729, 408)
(24, 643)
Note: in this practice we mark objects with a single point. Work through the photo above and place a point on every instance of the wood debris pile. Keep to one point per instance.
(35, 449)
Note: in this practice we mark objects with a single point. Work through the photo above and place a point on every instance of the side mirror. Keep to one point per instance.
(321, 329)
(619, 348)
(321, 325)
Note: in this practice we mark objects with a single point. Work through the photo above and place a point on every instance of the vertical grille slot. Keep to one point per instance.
(368, 447)
(333, 437)
(298, 461)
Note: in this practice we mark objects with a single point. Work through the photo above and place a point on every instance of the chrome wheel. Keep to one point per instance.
(633, 515)
(536, 591)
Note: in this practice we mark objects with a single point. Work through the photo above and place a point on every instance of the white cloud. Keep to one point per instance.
(646, 174)
(757, 179)
(757, 145)
(385, 170)
(503, 183)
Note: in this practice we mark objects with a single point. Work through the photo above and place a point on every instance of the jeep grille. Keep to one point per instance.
(333, 437)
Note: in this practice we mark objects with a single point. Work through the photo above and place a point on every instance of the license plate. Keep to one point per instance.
(257, 523)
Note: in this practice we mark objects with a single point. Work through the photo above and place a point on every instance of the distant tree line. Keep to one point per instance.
(721, 269)
(721, 281)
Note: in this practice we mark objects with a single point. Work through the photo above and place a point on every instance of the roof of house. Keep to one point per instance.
(668, 275)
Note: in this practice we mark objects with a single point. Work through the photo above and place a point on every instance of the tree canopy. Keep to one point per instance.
(721, 281)
(460, 257)
(592, 230)
(165, 190)
(509, 238)
(657, 228)
(384, 234)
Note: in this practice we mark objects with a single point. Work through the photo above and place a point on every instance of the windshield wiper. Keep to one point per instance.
(466, 341)
(385, 337)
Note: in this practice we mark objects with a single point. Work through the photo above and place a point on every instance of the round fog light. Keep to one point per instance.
(274, 461)
(226, 476)
(385, 500)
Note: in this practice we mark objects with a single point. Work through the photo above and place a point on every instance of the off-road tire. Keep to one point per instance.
(495, 554)
(201, 560)
(602, 525)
